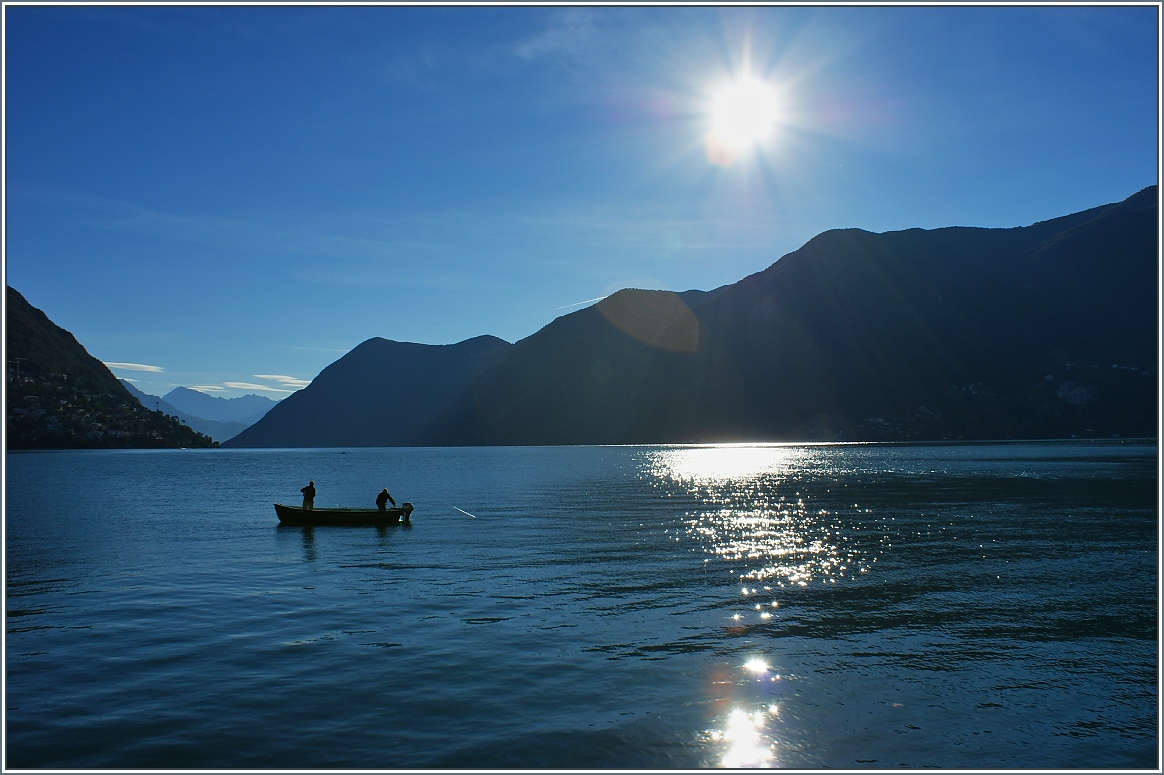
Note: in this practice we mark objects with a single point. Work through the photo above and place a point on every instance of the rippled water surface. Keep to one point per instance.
(856, 606)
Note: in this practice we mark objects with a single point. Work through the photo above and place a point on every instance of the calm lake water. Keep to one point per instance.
(853, 606)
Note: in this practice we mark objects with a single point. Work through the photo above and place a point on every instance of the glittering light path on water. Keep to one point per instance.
(765, 528)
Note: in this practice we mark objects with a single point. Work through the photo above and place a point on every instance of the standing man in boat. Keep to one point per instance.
(382, 500)
(309, 495)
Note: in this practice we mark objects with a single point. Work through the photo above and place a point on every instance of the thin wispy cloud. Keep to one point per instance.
(646, 229)
(627, 52)
(415, 69)
(372, 273)
(208, 388)
(564, 306)
(305, 348)
(289, 233)
(376, 250)
(569, 33)
(283, 379)
(254, 386)
(119, 366)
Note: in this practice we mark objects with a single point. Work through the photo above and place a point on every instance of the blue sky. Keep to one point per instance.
(237, 196)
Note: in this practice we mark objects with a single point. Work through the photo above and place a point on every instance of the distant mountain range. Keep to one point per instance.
(1043, 331)
(61, 397)
(219, 418)
(247, 409)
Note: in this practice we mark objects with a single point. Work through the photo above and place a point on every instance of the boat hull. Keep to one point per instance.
(297, 515)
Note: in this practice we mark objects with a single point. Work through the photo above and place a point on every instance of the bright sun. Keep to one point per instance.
(743, 115)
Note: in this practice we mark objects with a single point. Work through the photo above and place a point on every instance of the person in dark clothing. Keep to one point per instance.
(382, 500)
(309, 495)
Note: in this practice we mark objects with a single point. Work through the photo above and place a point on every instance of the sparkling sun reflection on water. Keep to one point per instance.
(755, 515)
(755, 519)
(743, 737)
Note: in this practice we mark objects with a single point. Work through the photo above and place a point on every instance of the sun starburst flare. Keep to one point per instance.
(743, 116)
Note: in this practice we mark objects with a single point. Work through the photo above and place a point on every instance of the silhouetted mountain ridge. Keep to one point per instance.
(382, 393)
(1043, 331)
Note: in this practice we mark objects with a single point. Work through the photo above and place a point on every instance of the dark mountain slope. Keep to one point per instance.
(150, 401)
(952, 328)
(61, 397)
(633, 366)
(949, 333)
(382, 393)
(1101, 278)
(43, 347)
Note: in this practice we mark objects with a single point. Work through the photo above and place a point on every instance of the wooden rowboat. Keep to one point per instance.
(297, 515)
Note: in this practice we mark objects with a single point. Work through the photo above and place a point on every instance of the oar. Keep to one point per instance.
(467, 514)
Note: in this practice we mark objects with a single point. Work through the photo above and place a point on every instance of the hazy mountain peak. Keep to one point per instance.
(239, 409)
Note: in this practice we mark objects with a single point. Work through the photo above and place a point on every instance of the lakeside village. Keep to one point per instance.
(47, 411)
